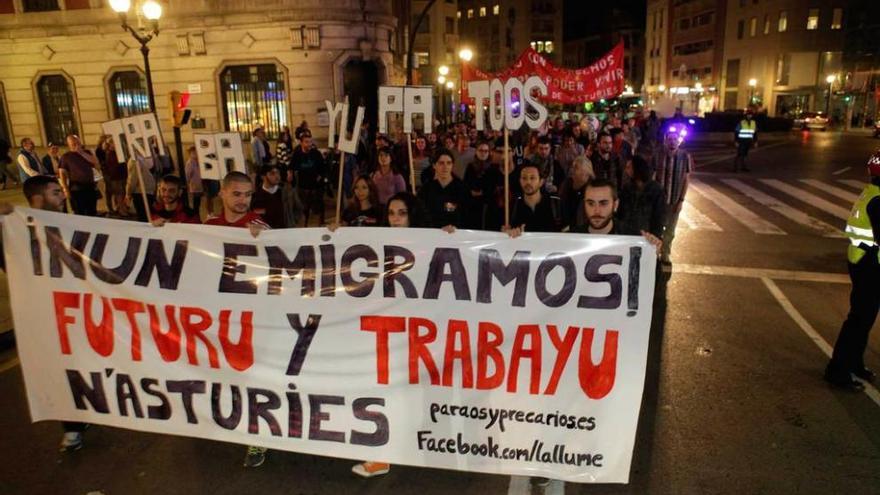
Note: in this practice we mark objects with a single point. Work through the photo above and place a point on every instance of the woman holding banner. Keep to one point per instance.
(403, 210)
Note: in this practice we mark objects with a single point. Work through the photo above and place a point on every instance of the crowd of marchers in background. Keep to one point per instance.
(458, 178)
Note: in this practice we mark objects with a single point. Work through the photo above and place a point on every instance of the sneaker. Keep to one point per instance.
(865, 374)
(370, 469)
(255, 457)
(71, 441)
(843, 381)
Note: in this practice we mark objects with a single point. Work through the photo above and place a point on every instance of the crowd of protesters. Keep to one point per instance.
(618, 177)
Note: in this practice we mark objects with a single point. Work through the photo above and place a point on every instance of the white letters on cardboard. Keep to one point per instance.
(411, 100)
(345, 143)
(333, 111)
(501, 112)
(530, 85)
(219, 153)
(131, 135)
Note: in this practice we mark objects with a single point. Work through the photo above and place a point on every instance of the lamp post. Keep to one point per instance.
(152, 11)
(830, 80)
(443, 70)
(449, 87)
(465, 55)
(752, 84)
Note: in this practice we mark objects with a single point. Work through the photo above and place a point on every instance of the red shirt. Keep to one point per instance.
(249, 217)
(180, 215)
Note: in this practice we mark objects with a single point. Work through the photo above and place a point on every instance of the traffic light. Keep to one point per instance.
(179, 113)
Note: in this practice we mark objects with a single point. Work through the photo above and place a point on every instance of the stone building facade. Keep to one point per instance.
(68, 66)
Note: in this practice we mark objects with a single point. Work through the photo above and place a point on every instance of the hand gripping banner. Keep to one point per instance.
(468, 351)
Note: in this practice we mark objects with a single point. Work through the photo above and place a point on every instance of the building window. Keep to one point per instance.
(458, 15)
(813, 20)
(450, 25)
(684, 24)
(783, 22)
(767, 24)
(740, 29)
(753, 26)
(251, 95)
(39, 5)
(128, 94)
(57, 107)
(837, 18)
(692, 48)
(482, 11)
(733, 73)
(783, 69)
(496, 9)
(470, 13)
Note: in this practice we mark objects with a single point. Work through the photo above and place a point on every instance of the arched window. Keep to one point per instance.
(128, 94)
(254, 94)
(57, 107)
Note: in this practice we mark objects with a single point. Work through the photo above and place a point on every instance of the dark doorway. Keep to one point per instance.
(360, 82)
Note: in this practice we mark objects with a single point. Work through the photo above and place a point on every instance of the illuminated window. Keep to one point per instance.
(767, 24)
(57, 107)
(837, 19)
(482, 11)
(783, 22)
(254, 94)
(458, 15)
(470, 13)
(753, 26)
(128, 94)
(813, 20)
(548, 47)
(496, 9)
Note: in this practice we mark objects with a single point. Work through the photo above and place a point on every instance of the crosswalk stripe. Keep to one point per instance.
(784, 209)
(695, 219)
(739, 213)
(858, 184)
(808, 198)
(832, 190)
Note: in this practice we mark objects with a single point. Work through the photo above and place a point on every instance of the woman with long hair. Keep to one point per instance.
(388, 180)
(363, 209)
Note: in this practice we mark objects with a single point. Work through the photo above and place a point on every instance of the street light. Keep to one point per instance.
(443, 70)
(441, 80)
(830, 80)
(152, 11)
(466, 54)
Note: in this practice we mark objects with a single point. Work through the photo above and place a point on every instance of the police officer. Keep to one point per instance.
(745, 136)
(863, 231)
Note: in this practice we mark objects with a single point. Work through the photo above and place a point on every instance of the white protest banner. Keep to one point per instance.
(409, 101)
(469, 351)
(137, 135)
(219, 153)
(339, 112)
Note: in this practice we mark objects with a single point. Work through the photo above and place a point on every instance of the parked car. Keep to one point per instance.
(811, 120)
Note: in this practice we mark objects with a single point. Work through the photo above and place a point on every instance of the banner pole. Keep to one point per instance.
(339, 189)
(137, 167)
(506, 178)
(412, 170)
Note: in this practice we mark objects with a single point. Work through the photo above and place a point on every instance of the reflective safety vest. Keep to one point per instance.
(858, 225)
(746, 130)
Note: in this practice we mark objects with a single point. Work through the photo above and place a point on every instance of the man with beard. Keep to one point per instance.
(606, 163)
(535, 210)
(600, 205)
(672, 166)
(169, 208)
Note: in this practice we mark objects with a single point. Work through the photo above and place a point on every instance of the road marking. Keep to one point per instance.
(519, 485)
(858, 184)
(841, 171)
(809, 198)
(733, 155)
(783, 209)
(739, 213)
(695, 219)
(8, 365)
(745, 272)
(832, 190)
(808, 329)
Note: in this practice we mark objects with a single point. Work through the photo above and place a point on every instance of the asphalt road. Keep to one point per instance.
(734, 401)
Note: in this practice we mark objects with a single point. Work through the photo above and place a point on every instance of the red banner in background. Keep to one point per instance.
(602, 79)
